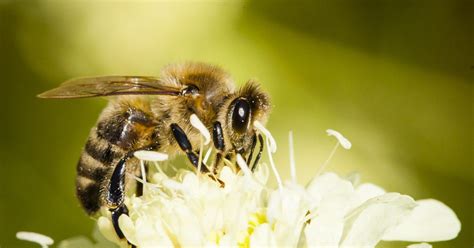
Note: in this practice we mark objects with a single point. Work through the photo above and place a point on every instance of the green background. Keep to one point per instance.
(395, 77)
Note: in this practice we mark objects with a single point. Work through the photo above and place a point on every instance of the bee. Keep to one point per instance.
(153, 113)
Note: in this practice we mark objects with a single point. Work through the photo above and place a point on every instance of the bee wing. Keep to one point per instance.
(110, 86)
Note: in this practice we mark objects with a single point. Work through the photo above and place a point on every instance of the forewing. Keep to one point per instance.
(109, 86)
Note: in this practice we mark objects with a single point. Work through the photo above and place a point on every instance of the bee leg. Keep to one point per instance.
(252, 148)
(139, 188)
(259, 154)
(218, 140)
(116, 213)
(186, 146)
(115, 194)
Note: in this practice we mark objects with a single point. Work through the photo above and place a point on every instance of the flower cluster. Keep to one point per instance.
(192, 209)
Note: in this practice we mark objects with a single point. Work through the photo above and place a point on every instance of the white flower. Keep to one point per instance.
(192, 209)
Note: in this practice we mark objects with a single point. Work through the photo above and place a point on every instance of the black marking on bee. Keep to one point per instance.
(121, 129)
(218, 136)
(89, 196)
(104, 155)
(85, 169)
(116, 189)
(181, 138)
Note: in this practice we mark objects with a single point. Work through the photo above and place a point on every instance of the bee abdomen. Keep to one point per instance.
(96, 163)
(101, 150)
(88, 193)
(92, 169)
(121, 129)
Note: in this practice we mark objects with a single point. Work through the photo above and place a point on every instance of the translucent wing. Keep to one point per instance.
(110, 86)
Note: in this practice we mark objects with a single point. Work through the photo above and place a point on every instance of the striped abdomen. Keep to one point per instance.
(94, 167)
(118, 132)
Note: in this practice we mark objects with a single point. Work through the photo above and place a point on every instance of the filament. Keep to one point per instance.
(272, 144)
(243, 165)
(272, 164)
(323, 166)
(197, 123)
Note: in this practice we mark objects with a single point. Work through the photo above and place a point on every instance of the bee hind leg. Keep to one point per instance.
(116, 213)
(115, 194)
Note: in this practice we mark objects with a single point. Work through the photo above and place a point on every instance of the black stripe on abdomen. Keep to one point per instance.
(88, 193)
(92, 169)
(102, 151)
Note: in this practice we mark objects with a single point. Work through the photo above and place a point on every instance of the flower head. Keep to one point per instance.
(192, 209)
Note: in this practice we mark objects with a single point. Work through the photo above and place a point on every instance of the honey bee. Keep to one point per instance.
(153, 113)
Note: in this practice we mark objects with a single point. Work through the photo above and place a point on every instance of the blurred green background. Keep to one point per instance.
(395, 77)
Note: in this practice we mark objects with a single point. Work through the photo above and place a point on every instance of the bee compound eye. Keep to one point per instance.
(241, 115)
(191, 90)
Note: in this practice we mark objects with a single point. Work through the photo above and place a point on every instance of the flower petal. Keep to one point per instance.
(263, 237)
(430, 221)
(332, 192)
(128, 228)
(150, 234)
(363, 193)
(107, 229)
(324, 231)
(366, 225)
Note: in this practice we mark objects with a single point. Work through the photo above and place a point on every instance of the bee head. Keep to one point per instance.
(247, 105)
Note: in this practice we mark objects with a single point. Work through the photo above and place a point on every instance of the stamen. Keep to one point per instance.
(144, 182)
(201, 147)
(268, 135)
(208, 154)
(158, 167)
(142, 167)
(197, 123)
(292, 157)
(272, 164)
(150, 156)
(323, 166)
(243, 165)
(40, 239)
(344, 142)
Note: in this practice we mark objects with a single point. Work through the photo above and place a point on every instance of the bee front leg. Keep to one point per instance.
(186, 146)
(219, 144)
(252, 149)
